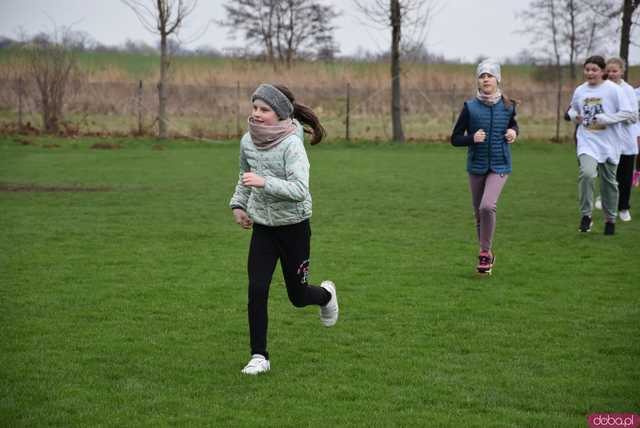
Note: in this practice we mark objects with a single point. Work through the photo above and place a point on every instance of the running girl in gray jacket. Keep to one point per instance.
(272, 198)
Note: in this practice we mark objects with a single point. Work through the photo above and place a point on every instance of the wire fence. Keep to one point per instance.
(348, 110)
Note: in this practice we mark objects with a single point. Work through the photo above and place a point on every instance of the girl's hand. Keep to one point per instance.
(511, 135)
(241, 217)
(479, 136)
(253, 180)
(579, 119)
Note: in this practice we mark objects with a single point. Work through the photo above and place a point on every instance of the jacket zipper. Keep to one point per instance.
(490, 139)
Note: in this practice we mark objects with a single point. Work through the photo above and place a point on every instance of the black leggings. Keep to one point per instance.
(290, 244)
(624, 176)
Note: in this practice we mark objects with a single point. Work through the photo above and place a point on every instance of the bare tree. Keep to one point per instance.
(625, 17)
(553, 16)
(283, 27)
(303, 23)
(396, 108)
(629, 7)
(402, 17)
(571, 32)
(256, 18)
(51, 63)
(580, 30)
(14, 74)
(165, 18)
(542, 21)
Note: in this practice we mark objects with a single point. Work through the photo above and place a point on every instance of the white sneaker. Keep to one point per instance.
(598, 203)
(329, 312)
(625, 215)
(257, 364)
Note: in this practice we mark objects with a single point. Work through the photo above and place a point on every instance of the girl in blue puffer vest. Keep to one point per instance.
(487, 127)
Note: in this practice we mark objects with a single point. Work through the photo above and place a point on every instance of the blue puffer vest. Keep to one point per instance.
(494, 154)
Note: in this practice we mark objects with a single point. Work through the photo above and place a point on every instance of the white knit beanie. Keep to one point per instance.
(489, 66)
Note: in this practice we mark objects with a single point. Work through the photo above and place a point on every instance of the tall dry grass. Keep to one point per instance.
(210, 98)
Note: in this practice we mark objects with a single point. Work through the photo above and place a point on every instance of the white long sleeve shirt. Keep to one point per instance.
(637, 91)
(602, 108)
(629, 130)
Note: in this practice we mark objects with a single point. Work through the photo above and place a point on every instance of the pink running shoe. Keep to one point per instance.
(485, 262)
(636, 178)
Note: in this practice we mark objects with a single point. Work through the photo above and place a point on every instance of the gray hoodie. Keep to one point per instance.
(285, 198)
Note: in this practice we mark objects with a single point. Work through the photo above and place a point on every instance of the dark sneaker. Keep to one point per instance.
(585, 224)
(485, 262)
(609, 228)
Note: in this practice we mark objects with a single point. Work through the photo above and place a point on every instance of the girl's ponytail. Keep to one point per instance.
(508, 102)
(306, 116)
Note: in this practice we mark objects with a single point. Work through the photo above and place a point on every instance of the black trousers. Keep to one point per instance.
(290, 244)
(624, 176)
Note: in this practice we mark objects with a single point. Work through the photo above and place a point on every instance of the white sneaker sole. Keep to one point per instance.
(255, 372)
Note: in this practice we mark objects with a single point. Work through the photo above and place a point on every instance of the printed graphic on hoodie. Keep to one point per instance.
(590, 108)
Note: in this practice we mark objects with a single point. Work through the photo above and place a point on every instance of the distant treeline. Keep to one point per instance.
(84, 42)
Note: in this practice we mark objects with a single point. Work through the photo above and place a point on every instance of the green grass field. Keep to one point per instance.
(123, 294)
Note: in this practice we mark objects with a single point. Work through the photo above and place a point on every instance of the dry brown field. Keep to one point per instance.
(209, 98)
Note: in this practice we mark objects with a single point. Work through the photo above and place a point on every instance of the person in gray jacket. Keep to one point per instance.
(272, 198)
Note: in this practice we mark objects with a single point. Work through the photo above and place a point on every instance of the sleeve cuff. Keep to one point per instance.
(572, 114)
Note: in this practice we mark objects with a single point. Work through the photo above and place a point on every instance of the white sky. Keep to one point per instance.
(462, 29)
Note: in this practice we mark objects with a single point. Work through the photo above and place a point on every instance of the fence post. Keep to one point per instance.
(348, 137)
(533, 105)
(140, 114)
(20, 91)
(238, 130)
(453, 105)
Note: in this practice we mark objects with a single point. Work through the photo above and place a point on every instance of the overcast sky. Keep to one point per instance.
(462, 29)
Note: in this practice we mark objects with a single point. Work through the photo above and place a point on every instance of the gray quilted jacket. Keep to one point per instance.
(285, 198)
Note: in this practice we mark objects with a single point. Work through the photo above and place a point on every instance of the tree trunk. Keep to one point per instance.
(49, 119)
(346, 123)
(140, 111)
(268, 36)
(559, 100)
(625, 36)
(556, 50)
(572, 41)
(396, 108)
(290, 46)
(20, 94)
(162, 88)
(46, 121)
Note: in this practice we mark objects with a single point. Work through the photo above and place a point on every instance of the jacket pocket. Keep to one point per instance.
(471, 154)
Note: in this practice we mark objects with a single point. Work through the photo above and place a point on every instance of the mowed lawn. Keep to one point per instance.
(123, 293)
